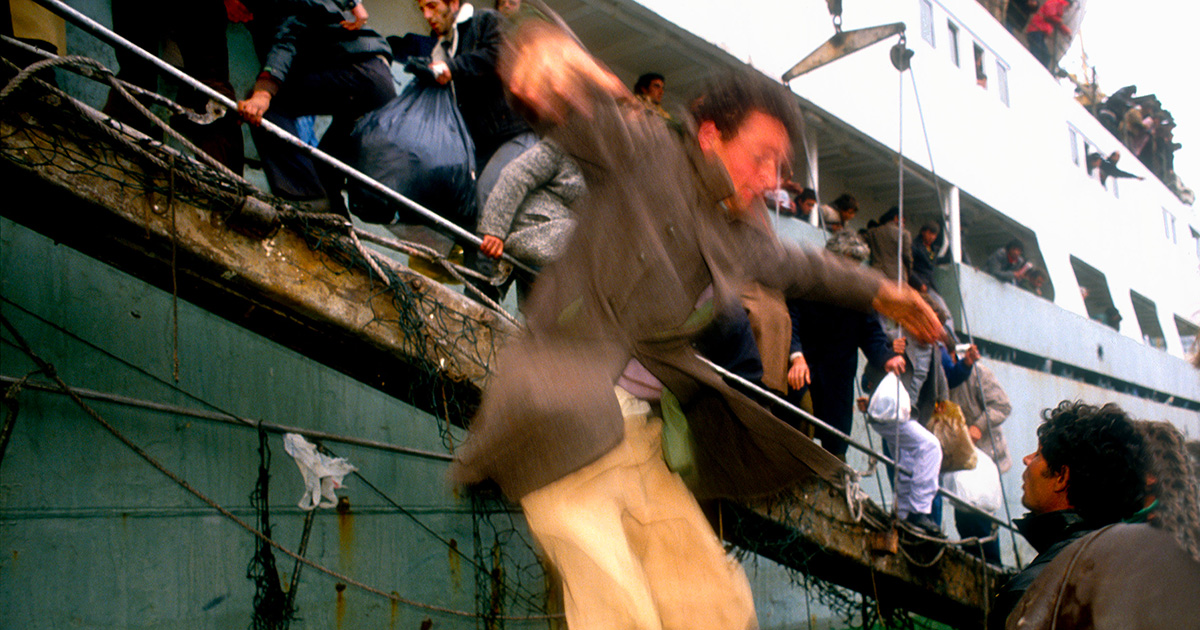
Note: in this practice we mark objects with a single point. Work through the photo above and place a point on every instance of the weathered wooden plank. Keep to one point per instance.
(812, 529)
(419, 340)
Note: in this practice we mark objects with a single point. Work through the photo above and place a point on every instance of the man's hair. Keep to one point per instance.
(730, 98)
(643, 82)
(845, 202)
(888, 216)
(807, 194)
(1015, 244)
(1105, 454)
(931, 226)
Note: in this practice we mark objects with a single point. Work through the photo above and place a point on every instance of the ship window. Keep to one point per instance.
(954, 44)
(1196, 238)
(980, 73)
(1169, 225)
(1002, 81)
(1093, 285)
(1074, 145)
(1147, 316)
(1187, 335)
(927, 21)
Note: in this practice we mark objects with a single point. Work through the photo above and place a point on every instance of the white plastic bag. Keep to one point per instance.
(890, 402)
(979, 486)
(322, 474)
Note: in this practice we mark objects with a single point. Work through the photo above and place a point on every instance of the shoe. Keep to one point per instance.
(924, 523)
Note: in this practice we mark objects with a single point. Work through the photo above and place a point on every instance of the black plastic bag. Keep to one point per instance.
(418, 146)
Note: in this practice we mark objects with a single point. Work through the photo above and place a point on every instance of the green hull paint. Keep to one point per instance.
(93, 537)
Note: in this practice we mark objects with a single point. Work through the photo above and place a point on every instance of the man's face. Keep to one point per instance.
(1044, 490)
(508, 7)
(752, 156)
(654, 91)
(928, 237)
(1014, 255)
(806, 206)
(440, 14)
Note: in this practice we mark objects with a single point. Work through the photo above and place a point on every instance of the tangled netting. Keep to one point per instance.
(272, 610)
(44, 128)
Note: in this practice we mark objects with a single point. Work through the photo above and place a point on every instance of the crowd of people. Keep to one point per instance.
(651, 231)
(1145, 128)
(1139, 122)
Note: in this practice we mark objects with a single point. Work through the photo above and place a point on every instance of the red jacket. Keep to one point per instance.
(1049, 17)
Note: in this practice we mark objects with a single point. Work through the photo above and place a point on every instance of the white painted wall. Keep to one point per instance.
(1015, 158)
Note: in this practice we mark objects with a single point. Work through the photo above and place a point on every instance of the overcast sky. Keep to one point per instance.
(1154, 45)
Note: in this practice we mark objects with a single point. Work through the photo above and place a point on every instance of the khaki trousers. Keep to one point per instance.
(631, 544)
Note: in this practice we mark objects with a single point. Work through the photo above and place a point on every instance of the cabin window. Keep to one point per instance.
(1169, 225)
(953, 43)
(1097, 300)
(1002, 81)
(1074, 146)
(1187, 335)
(1196, 240)
(980, 73)
(1147, 317)
(927, 21)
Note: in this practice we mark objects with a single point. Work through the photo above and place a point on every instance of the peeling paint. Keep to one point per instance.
(345, 533)
(340, 611)
(455, 565)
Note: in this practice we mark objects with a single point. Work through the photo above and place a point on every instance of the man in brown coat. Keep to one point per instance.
(882, 241)
(670, 232)
(1122, 577)
(985, 406)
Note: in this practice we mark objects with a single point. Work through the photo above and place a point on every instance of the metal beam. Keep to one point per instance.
(841, 44)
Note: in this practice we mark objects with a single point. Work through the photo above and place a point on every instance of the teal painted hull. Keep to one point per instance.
(94, 537)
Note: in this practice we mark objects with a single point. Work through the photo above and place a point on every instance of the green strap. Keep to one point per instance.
(1141, 516)
(677, 439)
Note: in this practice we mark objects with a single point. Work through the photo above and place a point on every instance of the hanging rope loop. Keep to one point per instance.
(900, 54)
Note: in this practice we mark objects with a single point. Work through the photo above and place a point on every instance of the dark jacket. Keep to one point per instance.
(312, 36)
(830, 338)
(480, 94)
(923, 263)
(652, 235)
(1049, 534)
(478, 90)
